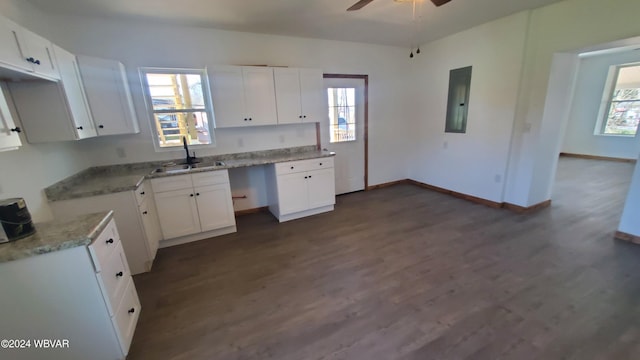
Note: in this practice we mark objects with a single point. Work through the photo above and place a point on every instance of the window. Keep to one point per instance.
(342, 114)
(620, 110)
(180, 104)
(458, 103)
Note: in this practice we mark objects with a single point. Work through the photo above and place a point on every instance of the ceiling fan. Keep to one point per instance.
(362, 3)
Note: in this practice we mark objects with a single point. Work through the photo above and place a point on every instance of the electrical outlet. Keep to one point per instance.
(121, 153)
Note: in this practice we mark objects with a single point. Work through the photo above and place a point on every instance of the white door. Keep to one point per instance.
(178, 213)
(227, 92)
(215, 208)
(293, 193)
(260, 95)
(287, 84)
(321, 188)
(151, 225)
(343, 131)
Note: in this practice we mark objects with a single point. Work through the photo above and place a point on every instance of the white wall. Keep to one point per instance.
(25, 172)
(474, 163)
(141, 44)
(579, 137)
(630, 223)
(563, 27)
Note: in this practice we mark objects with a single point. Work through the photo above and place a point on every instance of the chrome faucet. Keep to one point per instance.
(190, 159)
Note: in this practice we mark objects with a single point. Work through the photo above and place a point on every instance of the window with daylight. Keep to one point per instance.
(342, 114)
(180, 104)
(620, 110)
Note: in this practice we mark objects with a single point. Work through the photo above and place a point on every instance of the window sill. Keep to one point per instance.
(616, 135)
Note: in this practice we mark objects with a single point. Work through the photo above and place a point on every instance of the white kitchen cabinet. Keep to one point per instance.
(301, 188)
(63, 112)
(25, 51)
(194, 206)
(83, 294)
(107, 88)
(140, 232)
(9, 132)
(299, 95)
(178, 212)
(243, 96)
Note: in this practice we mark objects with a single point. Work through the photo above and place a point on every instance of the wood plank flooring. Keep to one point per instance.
(407, 273)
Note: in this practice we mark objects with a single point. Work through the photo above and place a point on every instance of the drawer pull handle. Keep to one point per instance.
(120, 274)
(145, 212)
(110, 241)
(131, 311)
(101, 126)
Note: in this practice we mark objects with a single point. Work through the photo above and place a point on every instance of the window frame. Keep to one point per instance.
(607, 100)
(208, 105)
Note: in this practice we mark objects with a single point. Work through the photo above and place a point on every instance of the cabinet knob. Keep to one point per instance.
(145, 212)
(110, 241)
(37, 62)
(309, 176)
(131, 311)
(191, 195)
(320, 164)
(306, 177)
(245, 119)
(120, 274)
(101, 126)
(292, 168)
(300, 116)
(142, 192)
(305, 116)
(250, 119)
(17, 129)
(30, 59)
(197, 194)
(80, 128)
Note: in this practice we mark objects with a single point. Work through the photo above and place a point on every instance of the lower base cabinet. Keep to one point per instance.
(301, 188)
(83, 296)
(194, 204)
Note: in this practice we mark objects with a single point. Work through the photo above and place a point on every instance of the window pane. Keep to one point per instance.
(624, 112)
(172, 127)
(175, 91)
(342, 114)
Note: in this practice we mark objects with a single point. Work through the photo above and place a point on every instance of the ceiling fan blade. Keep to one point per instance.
(439, 2)
(359, 5)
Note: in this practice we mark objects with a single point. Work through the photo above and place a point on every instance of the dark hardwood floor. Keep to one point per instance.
(407, 273)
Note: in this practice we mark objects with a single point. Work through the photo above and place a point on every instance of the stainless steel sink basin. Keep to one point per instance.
(208, 164)
(172, 169)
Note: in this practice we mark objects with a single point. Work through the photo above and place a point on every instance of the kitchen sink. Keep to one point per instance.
(208, 164)
(172, 169)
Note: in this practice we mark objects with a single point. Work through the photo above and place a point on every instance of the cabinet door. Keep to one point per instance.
(292, 193)
(287, 84)
(260, 96)
(9, 137)
(312, 95)
(215, 207)
(40, 50)
(151, 225)
(178, 213)
(322, 188)
(73, 90)
(107, 88)
(10, 39)
(227, 92)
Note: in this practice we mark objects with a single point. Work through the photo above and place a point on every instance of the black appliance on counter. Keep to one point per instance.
(15, 220)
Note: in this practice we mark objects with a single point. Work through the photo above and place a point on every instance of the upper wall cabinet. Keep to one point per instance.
(26, 52)
(243, 96)
(299, 95)
(9, 132)
(62, 112)
(105, 83)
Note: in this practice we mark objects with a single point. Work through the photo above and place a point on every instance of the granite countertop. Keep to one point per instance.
(57, 235)
(127, 177)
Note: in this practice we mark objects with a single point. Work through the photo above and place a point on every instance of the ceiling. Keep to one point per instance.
(382, 22)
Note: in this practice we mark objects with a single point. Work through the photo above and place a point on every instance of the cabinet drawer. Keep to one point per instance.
(210, 178)
(291, 167)
(127, 315)
(170, 183)
(141, 193)
(114, 276)
(320, 163)
(104, 245)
